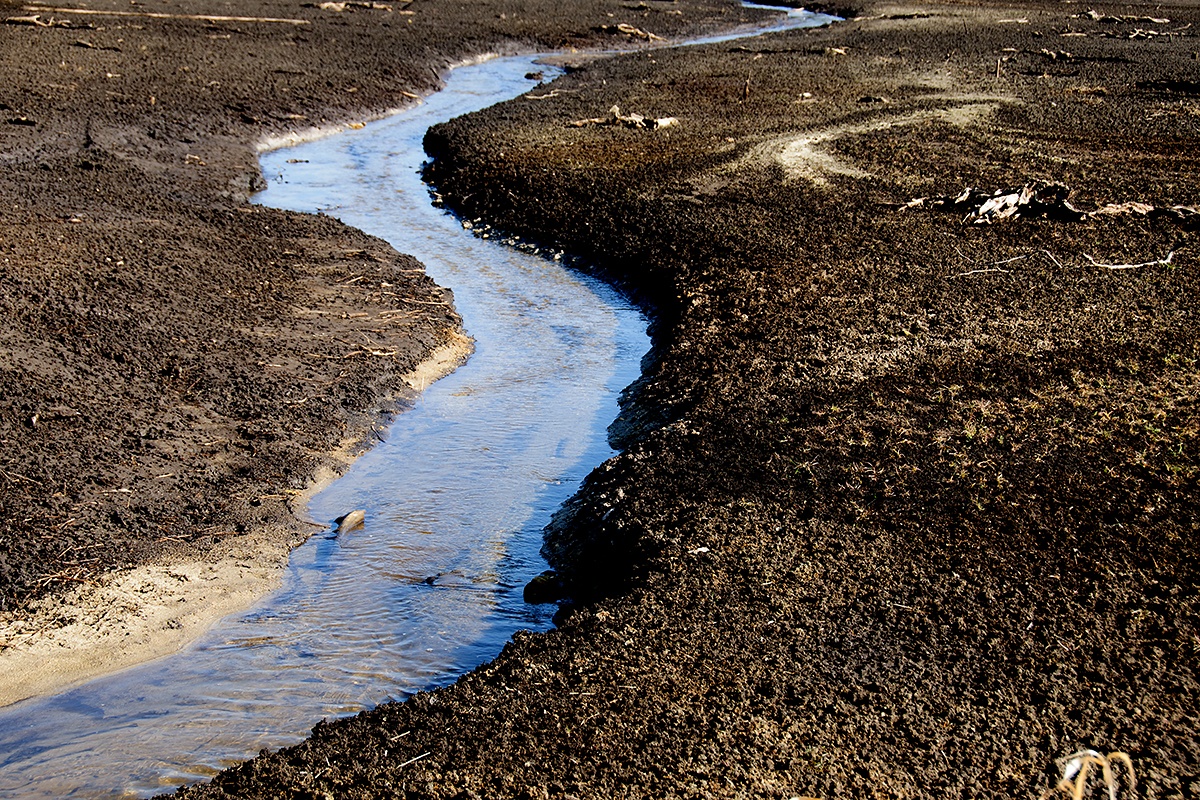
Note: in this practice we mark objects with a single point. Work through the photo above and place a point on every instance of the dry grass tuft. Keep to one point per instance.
(1078, 768)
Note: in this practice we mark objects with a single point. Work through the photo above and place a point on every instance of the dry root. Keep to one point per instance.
(1078, 768)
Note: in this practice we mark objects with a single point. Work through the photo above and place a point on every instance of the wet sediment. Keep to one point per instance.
(179, 366)
(916, 513)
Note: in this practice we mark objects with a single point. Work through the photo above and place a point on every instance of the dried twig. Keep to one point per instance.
(414, 760)
(1162, 262)
(990, 268)
(980, 272)
(13, 476)
(355, 353)
(65, 576)
(552, 93)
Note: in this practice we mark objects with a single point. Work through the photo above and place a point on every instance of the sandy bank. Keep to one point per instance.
(179, 365)
(132, 616)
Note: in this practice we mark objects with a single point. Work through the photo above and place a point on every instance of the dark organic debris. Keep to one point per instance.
(547, 587)
(1189, 88)
(615, 117)
(629, 30)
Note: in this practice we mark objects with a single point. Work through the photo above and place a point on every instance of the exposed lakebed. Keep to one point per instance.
(456, 498)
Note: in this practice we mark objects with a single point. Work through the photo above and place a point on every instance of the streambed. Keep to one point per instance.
(456, 498)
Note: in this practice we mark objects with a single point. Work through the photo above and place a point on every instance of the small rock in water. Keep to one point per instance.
(545, 588)
(348, 522)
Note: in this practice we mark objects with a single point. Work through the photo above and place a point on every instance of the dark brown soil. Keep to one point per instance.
(176, 363)
(908, 507)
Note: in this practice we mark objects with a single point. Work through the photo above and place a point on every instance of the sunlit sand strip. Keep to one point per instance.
(133, 616)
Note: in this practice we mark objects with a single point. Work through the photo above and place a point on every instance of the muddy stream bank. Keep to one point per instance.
(921, 517)
(456, 496)
(457, 493)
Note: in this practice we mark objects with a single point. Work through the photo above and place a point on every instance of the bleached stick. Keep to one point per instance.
(1158, 263)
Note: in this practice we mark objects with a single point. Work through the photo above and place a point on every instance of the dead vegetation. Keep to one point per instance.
(1080, 775)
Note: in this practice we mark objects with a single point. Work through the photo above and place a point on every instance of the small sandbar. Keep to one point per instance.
(133, 616)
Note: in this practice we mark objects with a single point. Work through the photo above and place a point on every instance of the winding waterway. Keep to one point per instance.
(456, 497)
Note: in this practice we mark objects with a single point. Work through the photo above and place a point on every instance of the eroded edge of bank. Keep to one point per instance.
(133, 616)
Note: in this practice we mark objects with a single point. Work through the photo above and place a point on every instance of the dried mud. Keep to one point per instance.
(907, 507)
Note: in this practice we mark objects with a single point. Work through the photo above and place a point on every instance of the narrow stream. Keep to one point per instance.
(456, 497)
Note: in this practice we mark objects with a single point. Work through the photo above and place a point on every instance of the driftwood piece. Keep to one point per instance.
(630, 30)
(1034, 199)
(351, 4)
(1044, 199)
(1110, 19)
(615, 117)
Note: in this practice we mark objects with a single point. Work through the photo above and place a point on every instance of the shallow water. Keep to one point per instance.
(456, 499)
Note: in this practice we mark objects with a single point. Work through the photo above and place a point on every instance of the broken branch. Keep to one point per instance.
(615, 117)
(629, 30)
(1162, 262)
